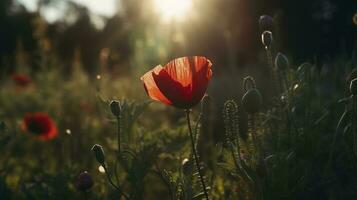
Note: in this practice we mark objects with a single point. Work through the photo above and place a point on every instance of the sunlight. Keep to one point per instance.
(173, 10)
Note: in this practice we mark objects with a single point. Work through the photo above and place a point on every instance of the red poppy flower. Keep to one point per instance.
(40, 125)
(21, 79)
(181, 83)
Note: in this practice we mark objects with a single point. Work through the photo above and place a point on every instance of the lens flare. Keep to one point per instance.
(173, 10)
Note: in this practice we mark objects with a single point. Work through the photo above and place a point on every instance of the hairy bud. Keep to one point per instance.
(281, 62)
(267, 38)
(252, 101)
(99, 153)
(266, 22)
(115, 108)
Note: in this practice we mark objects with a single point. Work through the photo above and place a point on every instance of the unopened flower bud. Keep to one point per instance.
(281, 62)
(252, 101)
(353, 87)
(99, 153)
(115, 108)
(267, 38)
(84, 181)
(266, 22)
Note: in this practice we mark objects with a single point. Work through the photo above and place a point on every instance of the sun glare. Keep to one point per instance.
(173, 10)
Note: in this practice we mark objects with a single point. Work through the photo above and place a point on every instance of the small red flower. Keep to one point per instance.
(180, 83)
(21, 79)
(40, 125)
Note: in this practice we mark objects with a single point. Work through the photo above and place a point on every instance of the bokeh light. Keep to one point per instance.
(101, 169)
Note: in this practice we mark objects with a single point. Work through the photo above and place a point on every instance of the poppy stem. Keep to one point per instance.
(113, 184)
(195, 154)
(118, 132)
(85, 195)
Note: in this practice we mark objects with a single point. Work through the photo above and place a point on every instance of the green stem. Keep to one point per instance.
(118, 132)
(85, 195)
(332, 148)
(113, 184)
(273, 74)
(195, 154)
(354, 126)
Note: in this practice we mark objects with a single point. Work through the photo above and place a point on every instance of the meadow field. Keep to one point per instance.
(146, 113)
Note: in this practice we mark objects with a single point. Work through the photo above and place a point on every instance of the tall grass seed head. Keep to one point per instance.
(115, 108)
(84, 181)
(266, 22)
(99, 153)
(252, 101)
(281, 62)
(267, 38)
(353, 87)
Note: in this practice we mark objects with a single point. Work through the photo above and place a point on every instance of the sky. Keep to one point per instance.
(100, 7)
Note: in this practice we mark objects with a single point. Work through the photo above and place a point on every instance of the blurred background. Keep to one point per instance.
(224, 30)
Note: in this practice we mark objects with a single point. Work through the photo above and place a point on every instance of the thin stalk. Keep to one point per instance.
(291, 123)
(253, 130)
(85, 195)
(119, 150)
(273, 74)
(353, 122)
(118, 134)
(113, 184)
(332, 148)
(195, 154)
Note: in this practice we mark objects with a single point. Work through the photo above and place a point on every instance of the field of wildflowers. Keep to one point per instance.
(167, 131)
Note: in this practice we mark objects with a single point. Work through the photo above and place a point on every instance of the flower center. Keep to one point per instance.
(36, 127)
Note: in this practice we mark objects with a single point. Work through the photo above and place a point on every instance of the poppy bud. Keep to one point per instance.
(281, 62)
(115, 108)
(267, 38)
(353, 87)
(84, 181)
(265, 22)
(252, 101)
(99, 153)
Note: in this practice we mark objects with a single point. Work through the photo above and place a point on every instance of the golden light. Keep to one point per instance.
(68, 131)
(101, 169)
(173, 10)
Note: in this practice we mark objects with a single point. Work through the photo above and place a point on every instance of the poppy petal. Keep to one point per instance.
(173, 90)
(151, 88)
(182, 82)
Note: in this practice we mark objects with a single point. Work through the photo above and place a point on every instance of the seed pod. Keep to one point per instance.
(353, 87)
(252, 101)
(84, 181)
(115, 108)
(281, 62)
(99, 153)
(266, 22)
(267, 38)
